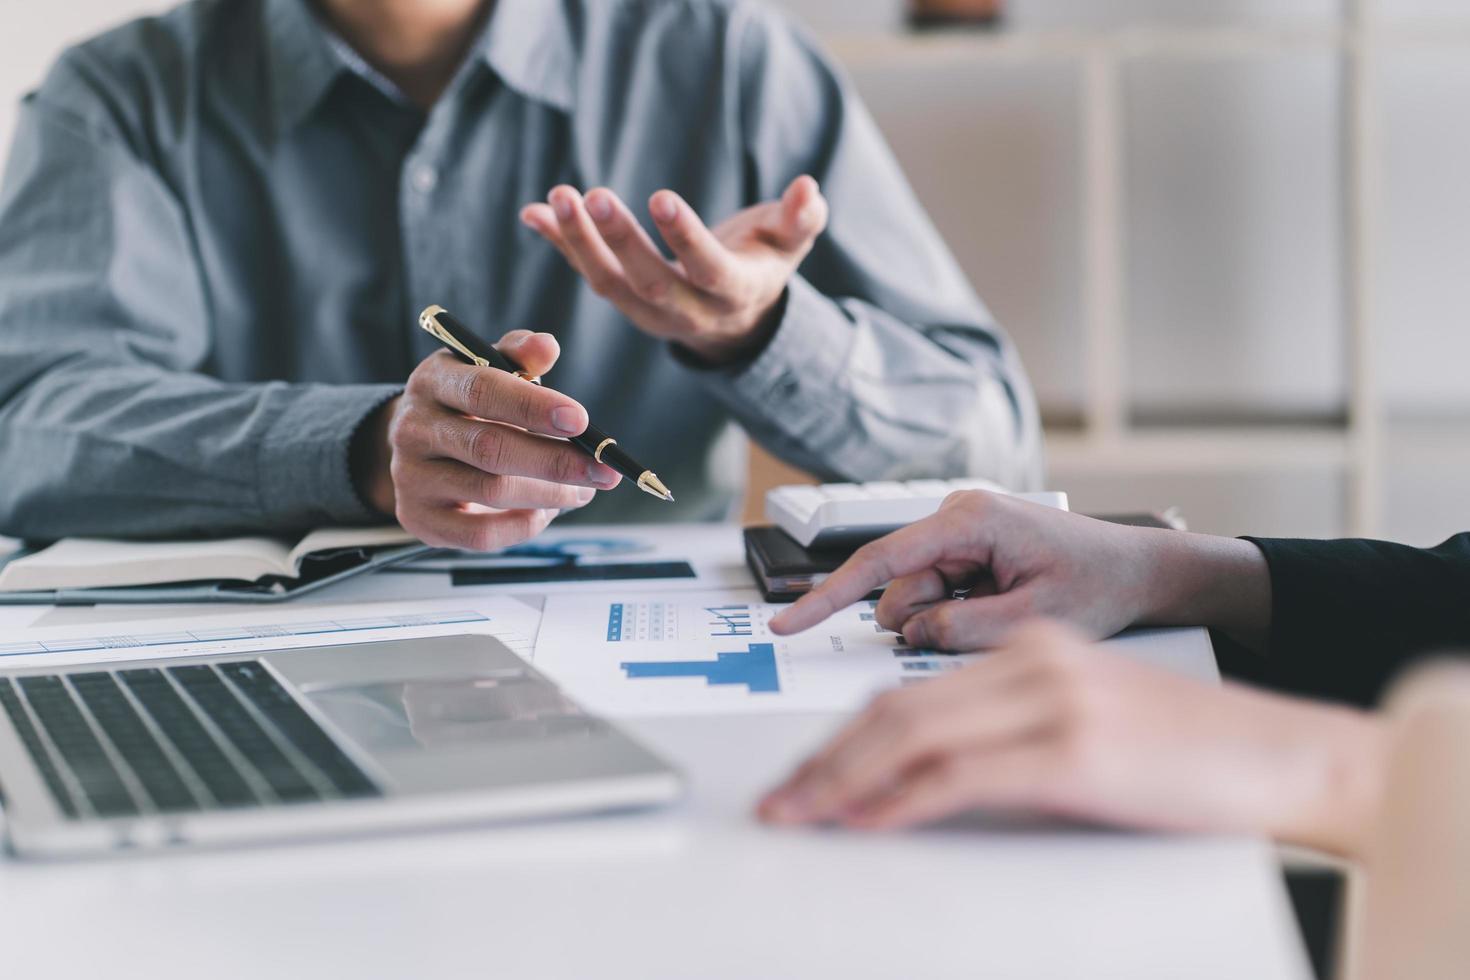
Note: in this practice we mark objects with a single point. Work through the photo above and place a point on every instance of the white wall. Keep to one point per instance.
(32, 33)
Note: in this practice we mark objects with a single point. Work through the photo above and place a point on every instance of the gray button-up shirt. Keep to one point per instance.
(218, 225)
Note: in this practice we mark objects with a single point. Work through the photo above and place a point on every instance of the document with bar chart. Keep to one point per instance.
(698, 653)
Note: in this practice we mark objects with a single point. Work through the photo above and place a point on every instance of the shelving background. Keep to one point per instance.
(1231, 237)
(1232, 240)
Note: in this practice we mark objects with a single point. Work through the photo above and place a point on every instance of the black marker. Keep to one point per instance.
(594, 442)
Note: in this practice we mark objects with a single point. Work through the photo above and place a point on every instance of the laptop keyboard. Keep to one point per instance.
(176, 739)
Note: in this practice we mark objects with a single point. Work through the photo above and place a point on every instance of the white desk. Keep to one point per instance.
(698, 890)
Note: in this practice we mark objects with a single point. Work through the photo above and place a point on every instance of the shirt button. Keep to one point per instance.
(423, 178)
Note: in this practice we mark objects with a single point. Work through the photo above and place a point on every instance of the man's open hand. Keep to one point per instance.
(719, 295)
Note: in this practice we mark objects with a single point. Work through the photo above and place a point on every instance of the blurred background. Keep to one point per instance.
(1231, 237)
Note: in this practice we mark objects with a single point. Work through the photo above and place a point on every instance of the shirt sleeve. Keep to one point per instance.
(1346, 616)
(110, 424)
(885, 364)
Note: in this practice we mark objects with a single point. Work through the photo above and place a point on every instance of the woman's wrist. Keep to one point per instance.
(1203, 580)
(1302, 772)
(1330, 764)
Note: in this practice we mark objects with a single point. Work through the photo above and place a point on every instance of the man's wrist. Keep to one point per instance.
(371, 459)
(725, 351)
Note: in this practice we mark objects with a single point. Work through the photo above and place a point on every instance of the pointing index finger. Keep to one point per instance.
(905, 551)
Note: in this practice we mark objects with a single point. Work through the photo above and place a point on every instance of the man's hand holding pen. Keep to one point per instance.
(468, 457)
(718, 296)
(473, 457)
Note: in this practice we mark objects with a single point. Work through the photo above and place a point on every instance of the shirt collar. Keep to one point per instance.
(528, 43)
(301, 62)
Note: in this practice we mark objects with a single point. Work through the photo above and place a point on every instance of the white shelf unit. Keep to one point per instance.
(1108, 442)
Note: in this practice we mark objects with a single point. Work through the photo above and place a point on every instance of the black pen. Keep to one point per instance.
(594, 442)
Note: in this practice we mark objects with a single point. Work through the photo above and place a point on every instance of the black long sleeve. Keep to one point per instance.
(1346, 616)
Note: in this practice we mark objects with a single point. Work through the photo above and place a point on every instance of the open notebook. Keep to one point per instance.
(231, 569)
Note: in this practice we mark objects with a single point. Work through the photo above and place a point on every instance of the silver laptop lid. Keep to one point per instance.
(316, 740)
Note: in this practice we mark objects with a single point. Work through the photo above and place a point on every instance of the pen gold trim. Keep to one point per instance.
(649, 482)
(593, 441)
(429, 320)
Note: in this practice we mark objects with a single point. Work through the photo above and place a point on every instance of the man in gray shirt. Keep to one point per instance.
(217, 227)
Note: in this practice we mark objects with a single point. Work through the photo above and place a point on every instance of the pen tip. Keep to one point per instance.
(650, 484)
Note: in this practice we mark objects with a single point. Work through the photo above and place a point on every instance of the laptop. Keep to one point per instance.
(226, 749)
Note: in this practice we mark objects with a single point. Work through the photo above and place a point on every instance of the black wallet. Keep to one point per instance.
(784, 570)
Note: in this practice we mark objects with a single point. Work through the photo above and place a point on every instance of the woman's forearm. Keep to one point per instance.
(1333, 762)
(1203, 580)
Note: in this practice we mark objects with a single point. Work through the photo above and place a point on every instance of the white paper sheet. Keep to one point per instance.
(512, 620)
(710, 652)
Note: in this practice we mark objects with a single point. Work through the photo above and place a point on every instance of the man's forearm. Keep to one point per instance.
(849, 391)
(133, 450)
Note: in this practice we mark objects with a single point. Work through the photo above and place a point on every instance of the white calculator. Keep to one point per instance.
(843, 515)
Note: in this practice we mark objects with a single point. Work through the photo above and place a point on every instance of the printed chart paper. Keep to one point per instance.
(710, 652)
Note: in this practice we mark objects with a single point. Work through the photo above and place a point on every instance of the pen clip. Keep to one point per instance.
(429, 321)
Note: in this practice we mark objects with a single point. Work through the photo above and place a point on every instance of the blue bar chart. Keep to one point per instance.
(754, 667)
(714, 652)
